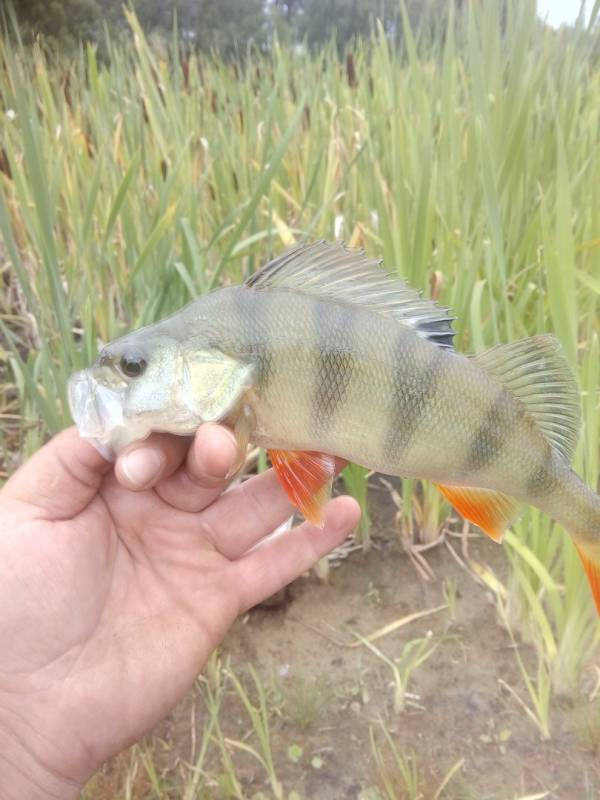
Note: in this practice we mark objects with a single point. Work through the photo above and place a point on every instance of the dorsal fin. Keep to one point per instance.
(536, 371)
(334, 271)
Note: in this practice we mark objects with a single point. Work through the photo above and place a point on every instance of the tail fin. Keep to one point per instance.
(591, 565)
(575, 506)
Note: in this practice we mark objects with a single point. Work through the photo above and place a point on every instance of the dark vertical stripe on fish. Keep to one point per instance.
(335, 363)
(489, 439)
(542, 479)
(252, 317)
(411, 395)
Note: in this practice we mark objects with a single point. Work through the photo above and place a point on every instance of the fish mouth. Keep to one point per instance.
(98, 413)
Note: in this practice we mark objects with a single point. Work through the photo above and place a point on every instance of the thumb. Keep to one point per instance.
(61, 479)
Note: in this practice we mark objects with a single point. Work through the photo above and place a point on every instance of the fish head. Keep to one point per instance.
(127, 393)
(147, 382)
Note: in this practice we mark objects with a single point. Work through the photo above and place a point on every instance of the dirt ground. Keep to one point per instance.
(324, 696)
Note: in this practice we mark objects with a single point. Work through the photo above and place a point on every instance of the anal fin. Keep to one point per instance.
(307, 478)
(493, 512)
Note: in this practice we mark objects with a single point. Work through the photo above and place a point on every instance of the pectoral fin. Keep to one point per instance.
(213, 383)
(307, 478)
(242, 430)
(492, 511)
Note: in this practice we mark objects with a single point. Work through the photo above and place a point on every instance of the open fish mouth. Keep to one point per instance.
(98, 413)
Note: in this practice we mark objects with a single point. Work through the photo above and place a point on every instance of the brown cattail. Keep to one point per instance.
(185, 69)
(4, 163)
(306, 117)
(67, 89)
(351, 71)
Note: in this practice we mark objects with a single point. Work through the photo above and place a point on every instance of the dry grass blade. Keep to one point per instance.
(397, 624)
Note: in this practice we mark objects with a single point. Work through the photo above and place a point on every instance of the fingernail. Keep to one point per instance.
(142, 466)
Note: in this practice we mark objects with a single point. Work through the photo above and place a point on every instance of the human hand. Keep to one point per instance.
(112, 599)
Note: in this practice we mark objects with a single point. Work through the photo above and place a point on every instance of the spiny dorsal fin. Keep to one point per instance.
(332, 270)
(536, 371)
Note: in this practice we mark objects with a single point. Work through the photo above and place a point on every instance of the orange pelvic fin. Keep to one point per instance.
(307, 478)
(492, 511)
(592, 570)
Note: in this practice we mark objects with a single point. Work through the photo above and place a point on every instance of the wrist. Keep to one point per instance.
(25, 777)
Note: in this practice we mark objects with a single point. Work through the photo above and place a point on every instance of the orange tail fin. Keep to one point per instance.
(591, 564)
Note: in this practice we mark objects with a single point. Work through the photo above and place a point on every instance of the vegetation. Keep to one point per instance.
(224, 26)
(466, 157)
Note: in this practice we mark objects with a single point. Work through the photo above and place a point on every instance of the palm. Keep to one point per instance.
(116, 607)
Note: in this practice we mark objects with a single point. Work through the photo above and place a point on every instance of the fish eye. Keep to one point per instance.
(132, 366)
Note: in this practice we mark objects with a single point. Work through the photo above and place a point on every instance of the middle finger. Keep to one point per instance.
(204, 473)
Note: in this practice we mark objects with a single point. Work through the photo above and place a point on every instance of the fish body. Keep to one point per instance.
(322, 353)
(348, 382)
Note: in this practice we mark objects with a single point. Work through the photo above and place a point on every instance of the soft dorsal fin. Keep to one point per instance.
(334, 271)
(536, 371)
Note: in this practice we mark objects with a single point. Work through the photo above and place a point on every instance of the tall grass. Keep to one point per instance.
(468, 160)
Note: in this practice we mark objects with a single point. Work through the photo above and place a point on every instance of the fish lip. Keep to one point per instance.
(82, 404)
(96, 410)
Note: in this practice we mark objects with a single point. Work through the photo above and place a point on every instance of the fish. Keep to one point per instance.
(323, 354)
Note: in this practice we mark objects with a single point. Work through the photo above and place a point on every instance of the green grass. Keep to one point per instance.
(399, 774)
(221, 767)
(470, 158)
(414, 653)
